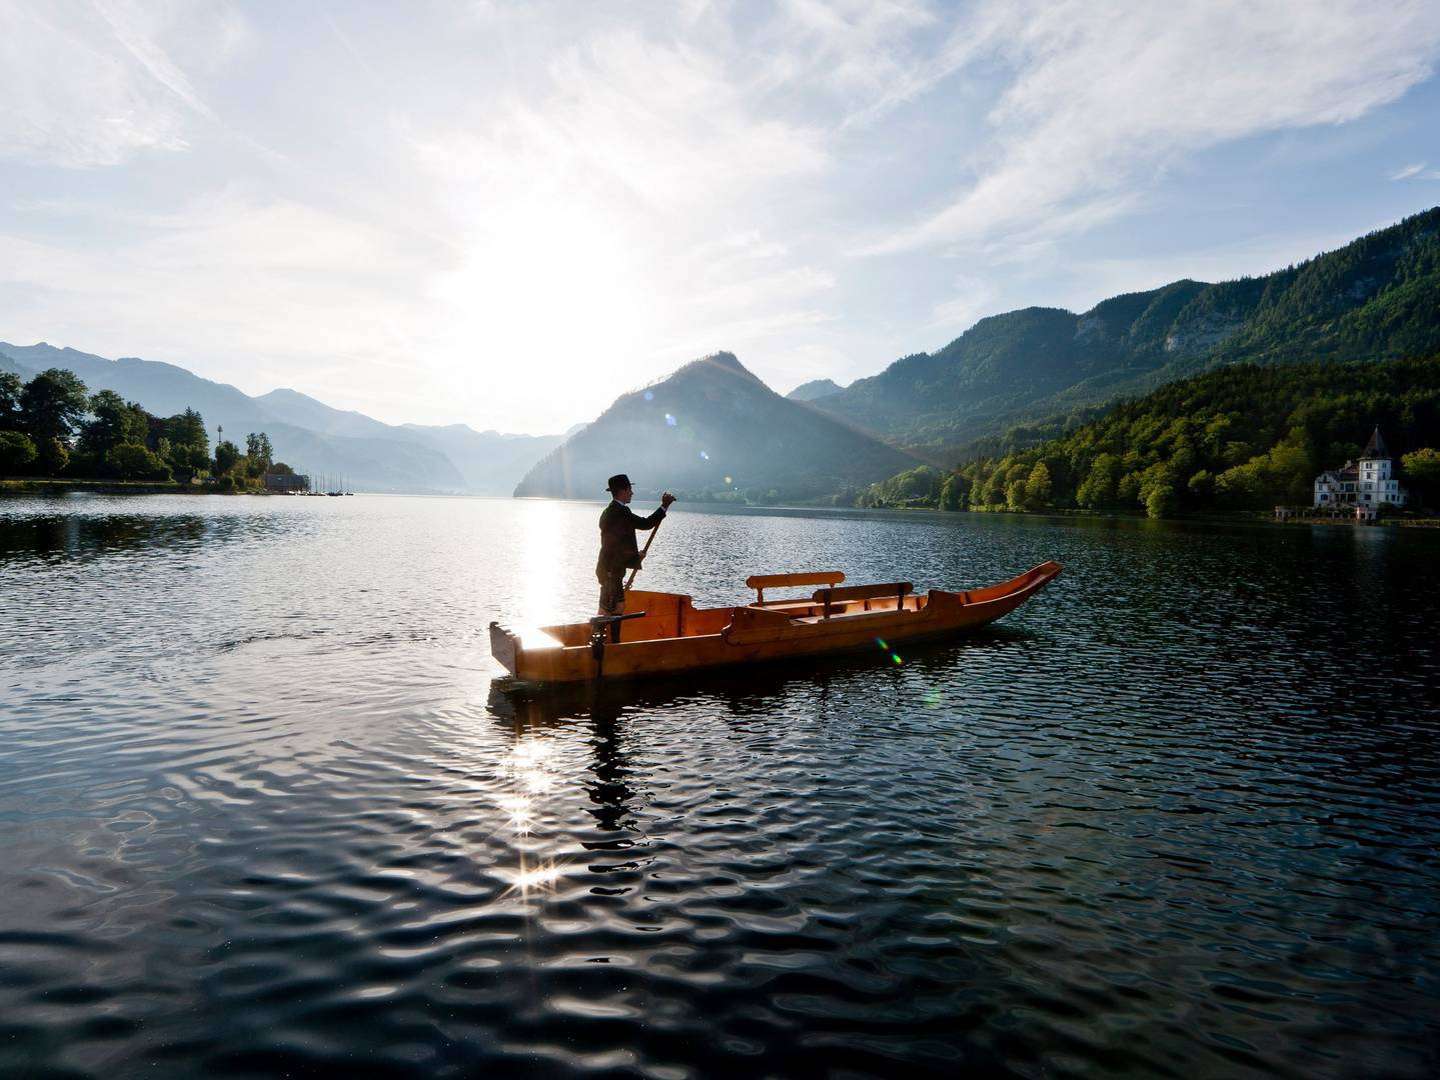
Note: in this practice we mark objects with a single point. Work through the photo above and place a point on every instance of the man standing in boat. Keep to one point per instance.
(618, 550)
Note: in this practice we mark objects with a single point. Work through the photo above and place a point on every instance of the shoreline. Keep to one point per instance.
(39, 485)
(42, 485)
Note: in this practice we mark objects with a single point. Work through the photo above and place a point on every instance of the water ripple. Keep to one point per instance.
(264, 809)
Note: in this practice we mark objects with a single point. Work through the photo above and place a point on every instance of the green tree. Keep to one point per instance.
(1161, 502)
(185, 460)
(113, 421)
(188, 429)
(227, 456)
(17, 452)
(995, 489)
(133, 461)
(1421, 471)
(51, 405)
(259, 453)
(1241, 487)
(1038, 487)
(1015, 495)
(10, 390)
(954, 492)
(1127, 489)
(1097, 490)
(54, 455)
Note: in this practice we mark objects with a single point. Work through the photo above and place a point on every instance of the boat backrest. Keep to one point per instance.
(897, 589)
(761, 582)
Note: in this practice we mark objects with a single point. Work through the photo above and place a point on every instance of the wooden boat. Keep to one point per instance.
(663, 633)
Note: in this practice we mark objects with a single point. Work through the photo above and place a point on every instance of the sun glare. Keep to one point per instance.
(548, 289)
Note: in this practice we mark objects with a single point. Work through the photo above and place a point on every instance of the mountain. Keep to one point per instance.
(714, 429)
(1376, 298)
(815, 388)
(14, 367)
(306, 433)
(490, 463)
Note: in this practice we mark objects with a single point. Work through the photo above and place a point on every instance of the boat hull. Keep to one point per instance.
(674, 636)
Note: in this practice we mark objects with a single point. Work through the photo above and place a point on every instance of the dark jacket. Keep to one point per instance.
(618, 550)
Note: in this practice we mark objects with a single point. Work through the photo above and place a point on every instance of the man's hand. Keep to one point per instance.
(666, 500)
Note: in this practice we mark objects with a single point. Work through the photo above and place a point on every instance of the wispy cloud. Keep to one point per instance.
(84, 85)
(1103, 97)
(1418, 171)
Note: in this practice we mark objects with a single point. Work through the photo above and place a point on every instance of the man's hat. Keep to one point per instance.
(616, 482)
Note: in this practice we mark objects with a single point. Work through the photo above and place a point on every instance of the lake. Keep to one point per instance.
(264, 807)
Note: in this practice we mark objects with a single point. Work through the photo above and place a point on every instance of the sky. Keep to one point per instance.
(507, 214)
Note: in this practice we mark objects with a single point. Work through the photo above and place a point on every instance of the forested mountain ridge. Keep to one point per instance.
(1244, 437)
(712, 430)
(1376, 298)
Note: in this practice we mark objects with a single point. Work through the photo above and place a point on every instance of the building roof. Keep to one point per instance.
(1376, 447)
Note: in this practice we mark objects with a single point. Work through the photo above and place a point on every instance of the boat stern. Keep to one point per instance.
(505, 647)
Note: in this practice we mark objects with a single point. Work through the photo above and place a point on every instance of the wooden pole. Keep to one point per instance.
(643, 552)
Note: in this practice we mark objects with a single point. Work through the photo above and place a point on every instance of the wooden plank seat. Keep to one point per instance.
(761, 582)
(833, 599)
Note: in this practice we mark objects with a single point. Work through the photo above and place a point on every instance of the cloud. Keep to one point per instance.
(1417, 171)
(853, 49)
(1101, 98)
(238, 287)
(89, 85)
(973, 298)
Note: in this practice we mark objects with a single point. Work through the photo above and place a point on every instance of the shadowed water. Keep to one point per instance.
(264, 809)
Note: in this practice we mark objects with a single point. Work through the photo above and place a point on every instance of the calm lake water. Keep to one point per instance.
(263, 808)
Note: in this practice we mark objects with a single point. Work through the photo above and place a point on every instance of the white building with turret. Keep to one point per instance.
(1365, 485)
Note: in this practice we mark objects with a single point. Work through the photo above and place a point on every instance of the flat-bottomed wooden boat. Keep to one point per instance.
(664, 633)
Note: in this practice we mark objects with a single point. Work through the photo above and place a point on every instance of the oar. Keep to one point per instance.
(643, 552)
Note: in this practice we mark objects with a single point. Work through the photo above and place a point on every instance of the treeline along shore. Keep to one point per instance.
(1241, 438)
(54, 431)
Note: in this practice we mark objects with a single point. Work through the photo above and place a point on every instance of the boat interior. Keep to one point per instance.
(673, 615)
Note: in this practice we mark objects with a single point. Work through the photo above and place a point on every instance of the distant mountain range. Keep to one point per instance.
(1376, 298)
(714, 430)
(306, 433)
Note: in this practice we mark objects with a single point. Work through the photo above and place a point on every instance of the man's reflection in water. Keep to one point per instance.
(609, 788)
(609, 782)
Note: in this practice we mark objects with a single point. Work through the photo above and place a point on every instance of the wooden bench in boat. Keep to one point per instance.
(832, 600)
(761, 582)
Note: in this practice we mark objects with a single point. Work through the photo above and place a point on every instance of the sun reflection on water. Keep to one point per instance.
(537, 878)
(541, 576)
(529, 765)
